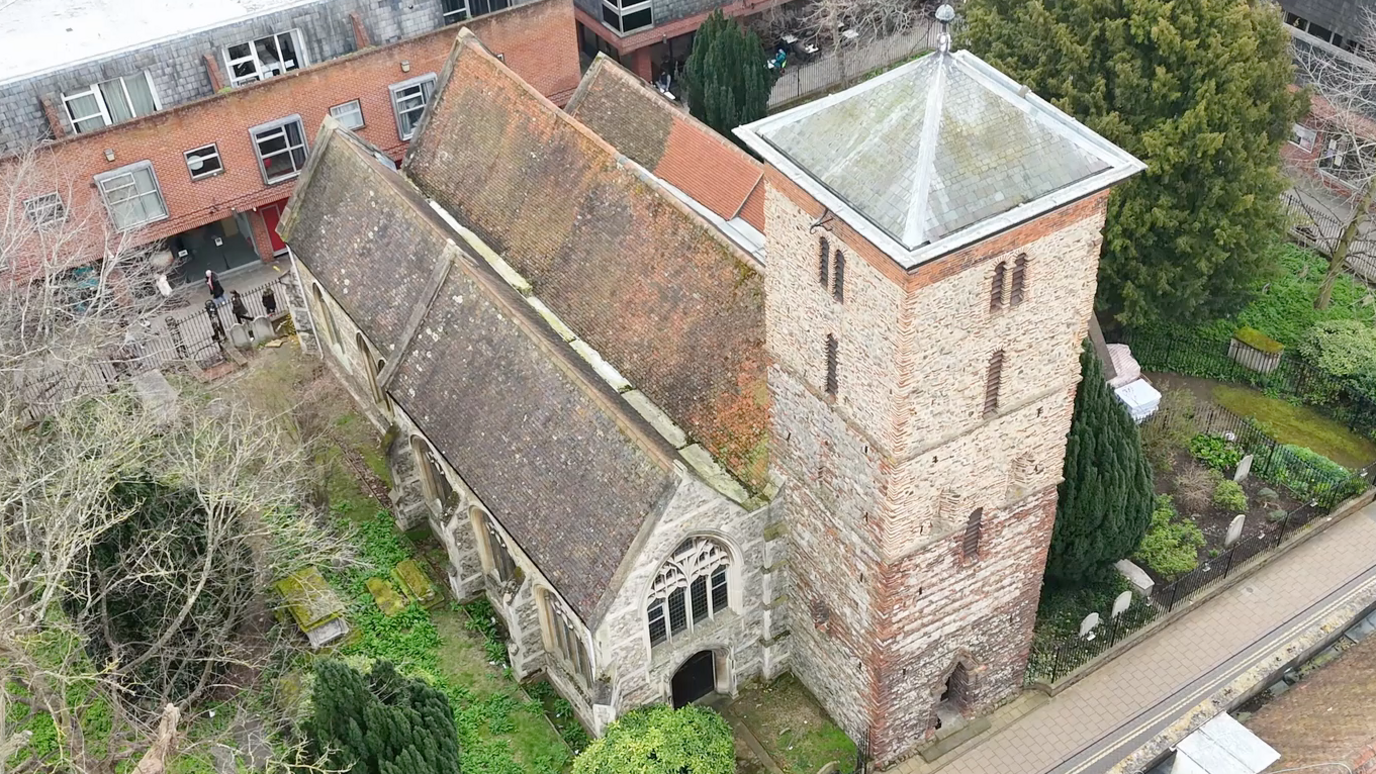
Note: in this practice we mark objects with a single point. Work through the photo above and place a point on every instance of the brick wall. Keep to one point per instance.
(536, 40)
(178, 68)
(883, 475)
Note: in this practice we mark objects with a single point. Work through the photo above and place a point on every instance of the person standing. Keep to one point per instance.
(269, 301)
(217, 291)
(236, 305)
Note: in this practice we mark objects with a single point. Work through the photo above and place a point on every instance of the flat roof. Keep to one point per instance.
(40, 36)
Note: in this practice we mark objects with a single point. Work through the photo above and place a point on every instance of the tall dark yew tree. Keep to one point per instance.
(1197, 89)
(1105, 500)
(381, 723)
(728, 84)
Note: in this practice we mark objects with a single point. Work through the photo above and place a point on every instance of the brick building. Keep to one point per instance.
(674, 466)
(196, 140)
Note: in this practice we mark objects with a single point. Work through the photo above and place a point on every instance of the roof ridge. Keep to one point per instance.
(913, 227)
(604, 63)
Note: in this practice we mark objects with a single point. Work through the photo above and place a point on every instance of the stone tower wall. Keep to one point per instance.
(882, 477)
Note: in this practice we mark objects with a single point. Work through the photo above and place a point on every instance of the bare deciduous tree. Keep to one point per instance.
(138, 539)
(1335, 179)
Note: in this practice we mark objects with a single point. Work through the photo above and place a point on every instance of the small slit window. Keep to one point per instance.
(838, 278)
(992, 382)
(832, 383)
(823, 268)
(1015, 293)
(996, 287)
(969, 544)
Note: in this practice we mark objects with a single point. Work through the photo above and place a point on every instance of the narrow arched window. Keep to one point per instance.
(690, 589)
(502, 563)
(330, 329)
(996, 287)
(370, 371)
(823, 255)
(567, 638)
(838, 278)
(1015, 294)
(434, 483)
(992, 382)
(969, 544)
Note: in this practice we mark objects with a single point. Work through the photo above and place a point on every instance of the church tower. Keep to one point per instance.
(933, 238)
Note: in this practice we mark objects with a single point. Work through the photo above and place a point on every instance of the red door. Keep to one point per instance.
(272, 215)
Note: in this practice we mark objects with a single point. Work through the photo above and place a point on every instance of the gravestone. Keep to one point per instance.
(1235, 530)
(1140, 580)
(386, 597)
(261, 330)
(239, 336)
(1243, 469)
(1088, 626)
(1121, 604)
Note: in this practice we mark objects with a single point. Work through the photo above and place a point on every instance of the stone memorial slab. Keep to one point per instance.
(238, 336)
(416, 584)
(1088, 626)
(1235, 530)
(1140, 580)
(1244, 468)
(261, 330)
(1121, 604)
(386, 597)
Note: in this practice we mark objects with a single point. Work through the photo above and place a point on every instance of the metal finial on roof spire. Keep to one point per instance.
(945, 14)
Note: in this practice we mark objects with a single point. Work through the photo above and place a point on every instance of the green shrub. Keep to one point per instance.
(1258, 340)
(1341, 348)
(660, 740)
(1171, 547)
(1215, 451)
(1229, 495)
(1308, 474)
(1276, 516)
(1269, 497)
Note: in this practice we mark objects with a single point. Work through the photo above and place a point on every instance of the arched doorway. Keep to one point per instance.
(953, 702)
(696, 678)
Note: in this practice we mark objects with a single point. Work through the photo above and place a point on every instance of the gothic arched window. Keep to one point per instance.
(690, 589)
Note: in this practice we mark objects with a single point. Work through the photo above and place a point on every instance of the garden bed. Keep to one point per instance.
(1213, 519)
(792, 728)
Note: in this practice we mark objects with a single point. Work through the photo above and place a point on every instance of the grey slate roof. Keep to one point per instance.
(564, 465)
(550, 462)
(928, 150)
(367, 253)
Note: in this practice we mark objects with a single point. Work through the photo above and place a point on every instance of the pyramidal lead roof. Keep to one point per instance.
(937, 154)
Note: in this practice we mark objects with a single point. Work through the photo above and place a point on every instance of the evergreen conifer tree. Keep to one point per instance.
(382, 723)
(1197, 89)
(728, 83)
(1105, 499)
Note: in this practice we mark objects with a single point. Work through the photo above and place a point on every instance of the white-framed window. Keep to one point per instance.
(204, 161)
(281, 148)
(627, 15)
(409, 99)
(454, 10)
(349, 115)
(1303, 136)
(264, 57)
(132, 195)
(46, 209)
(112, 101)
(692, 587)
(566, 636)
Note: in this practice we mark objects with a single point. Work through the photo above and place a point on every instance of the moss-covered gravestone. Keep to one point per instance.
(314, 606)
(386, 597)
(416, 584)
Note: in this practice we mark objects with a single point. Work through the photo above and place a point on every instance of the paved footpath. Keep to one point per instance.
(1100, 720)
